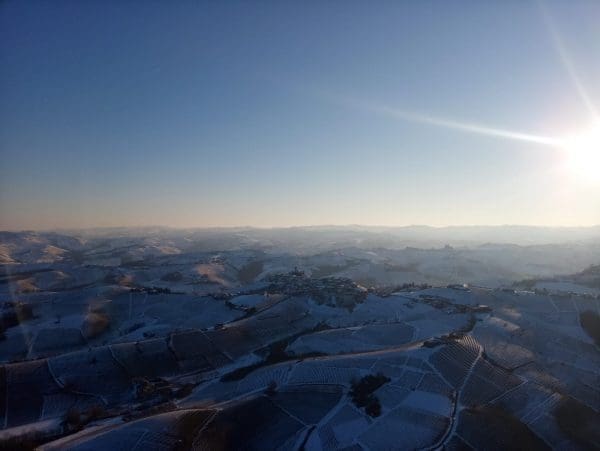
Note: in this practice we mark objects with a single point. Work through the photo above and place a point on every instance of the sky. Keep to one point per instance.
(192, 114)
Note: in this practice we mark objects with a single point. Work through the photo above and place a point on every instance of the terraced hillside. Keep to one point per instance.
(281, 376)
(219, 355)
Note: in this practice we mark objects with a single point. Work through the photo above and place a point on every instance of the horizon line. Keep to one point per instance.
(253, 227)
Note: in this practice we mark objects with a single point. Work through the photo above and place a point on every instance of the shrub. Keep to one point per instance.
(361, 389)
(362, 393)
(23, 442)
(249, 272)
(271, 388)
(373, 408)
(578, 422)
(14, 313)
(24, 311)
(96, 412)
(73, 417)
(590, 323)
(94, 324)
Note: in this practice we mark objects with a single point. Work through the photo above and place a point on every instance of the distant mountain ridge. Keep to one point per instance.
(372, 256)
(515, 234)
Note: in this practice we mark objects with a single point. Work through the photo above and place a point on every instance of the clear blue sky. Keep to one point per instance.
(281, 113)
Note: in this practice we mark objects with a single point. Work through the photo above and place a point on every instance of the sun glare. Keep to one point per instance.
(583, 153)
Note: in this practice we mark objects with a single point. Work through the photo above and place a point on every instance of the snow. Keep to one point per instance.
(249, 300)
(567, 287)
(429, 402)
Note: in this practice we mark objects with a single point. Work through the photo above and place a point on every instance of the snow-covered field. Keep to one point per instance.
(183, 340)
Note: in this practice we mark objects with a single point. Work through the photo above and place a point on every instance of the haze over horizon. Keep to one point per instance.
(531, 227)
(282, 114)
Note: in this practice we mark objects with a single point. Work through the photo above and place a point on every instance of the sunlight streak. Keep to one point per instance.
(467, 127)
(437, 121)
(566, 60)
